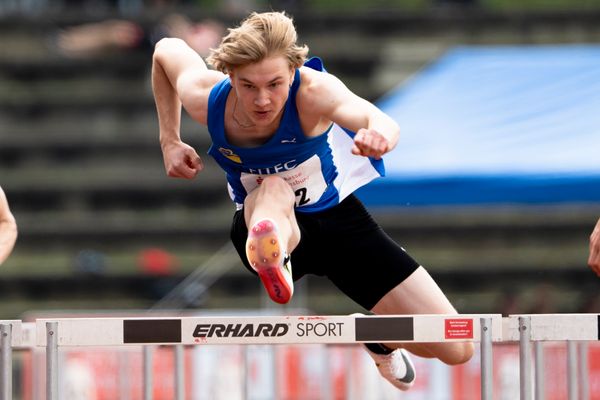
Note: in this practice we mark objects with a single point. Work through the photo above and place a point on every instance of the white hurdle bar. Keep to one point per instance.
(483, 328)
(537, 328)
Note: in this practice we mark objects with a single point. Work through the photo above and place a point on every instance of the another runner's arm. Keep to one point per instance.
(180, 77)
(8, 228)
(594, 258)
(376, 132)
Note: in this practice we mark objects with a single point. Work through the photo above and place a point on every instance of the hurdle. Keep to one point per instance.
(526, 329)
(537, 328)
(269, 330)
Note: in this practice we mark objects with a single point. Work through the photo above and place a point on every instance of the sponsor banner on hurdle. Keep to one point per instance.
(269, 329)
(556, 327)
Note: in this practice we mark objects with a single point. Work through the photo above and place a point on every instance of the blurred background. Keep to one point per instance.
(101, 227)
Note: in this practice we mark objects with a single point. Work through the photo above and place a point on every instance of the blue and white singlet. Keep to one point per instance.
(321, 170)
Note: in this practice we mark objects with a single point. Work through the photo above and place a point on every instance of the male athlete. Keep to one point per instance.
(295, 143)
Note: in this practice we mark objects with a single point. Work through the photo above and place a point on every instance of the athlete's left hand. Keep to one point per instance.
(594, 260)
(370, 143)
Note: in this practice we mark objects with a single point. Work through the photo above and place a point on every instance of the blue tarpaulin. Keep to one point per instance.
(496, 125)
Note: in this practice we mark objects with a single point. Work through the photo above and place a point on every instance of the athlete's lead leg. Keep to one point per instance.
(272, 235)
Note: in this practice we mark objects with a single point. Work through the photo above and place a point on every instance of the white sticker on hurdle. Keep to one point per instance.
(28, 335)
(269, 329)
(15, 333)
(555, 327)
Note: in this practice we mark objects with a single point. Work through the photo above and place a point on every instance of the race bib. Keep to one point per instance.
(306, 179)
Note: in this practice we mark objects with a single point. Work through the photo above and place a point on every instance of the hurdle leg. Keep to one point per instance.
(326, 386)
(486, 359)
(539, 371)
(124, 378)
(52, 361)
(572, 369)
(351, 374)
(37, 374)
(148, 381)
(6, 372)
(246, 376)
(525, 357)
(584, 383)
(179, 373)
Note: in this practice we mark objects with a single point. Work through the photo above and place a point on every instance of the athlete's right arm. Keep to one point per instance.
(180, 78)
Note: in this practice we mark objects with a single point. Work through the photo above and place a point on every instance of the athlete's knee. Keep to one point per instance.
(270, 181)
(457, 353)
(275, 185)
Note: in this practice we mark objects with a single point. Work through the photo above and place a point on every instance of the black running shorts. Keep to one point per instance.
(347, 246)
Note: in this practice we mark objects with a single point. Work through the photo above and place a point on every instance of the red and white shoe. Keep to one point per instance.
(270, 261)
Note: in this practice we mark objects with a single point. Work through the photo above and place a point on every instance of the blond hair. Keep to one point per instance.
(260, 36)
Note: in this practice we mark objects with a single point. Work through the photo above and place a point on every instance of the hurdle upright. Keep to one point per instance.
(270, 330)
(9, 337)
(536, 328)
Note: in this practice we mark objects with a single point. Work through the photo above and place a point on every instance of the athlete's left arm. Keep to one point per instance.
(376, 132)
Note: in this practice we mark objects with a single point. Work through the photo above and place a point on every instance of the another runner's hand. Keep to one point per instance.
(370, 143)
(181, 160)
(594, 260)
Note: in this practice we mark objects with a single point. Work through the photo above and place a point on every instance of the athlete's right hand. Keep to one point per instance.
(181, 160)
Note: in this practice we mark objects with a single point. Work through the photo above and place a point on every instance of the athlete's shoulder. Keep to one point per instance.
(314, 83)
(220, 87)
(318, 90)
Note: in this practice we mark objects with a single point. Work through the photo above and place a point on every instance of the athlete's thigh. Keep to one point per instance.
(417, 294)
(368, 265)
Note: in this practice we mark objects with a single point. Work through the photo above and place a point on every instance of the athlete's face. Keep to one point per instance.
(262, 89)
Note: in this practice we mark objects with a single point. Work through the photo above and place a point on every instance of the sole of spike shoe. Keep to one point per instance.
(265, 256)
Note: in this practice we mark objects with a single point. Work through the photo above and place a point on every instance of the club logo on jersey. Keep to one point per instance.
(230, 155)
(275, 169)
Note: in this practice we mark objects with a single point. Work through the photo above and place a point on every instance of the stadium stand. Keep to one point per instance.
(81, 165)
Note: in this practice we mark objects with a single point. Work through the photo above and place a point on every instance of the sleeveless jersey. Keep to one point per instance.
(321, 170)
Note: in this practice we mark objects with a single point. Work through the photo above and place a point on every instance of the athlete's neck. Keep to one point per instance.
(241, 133)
